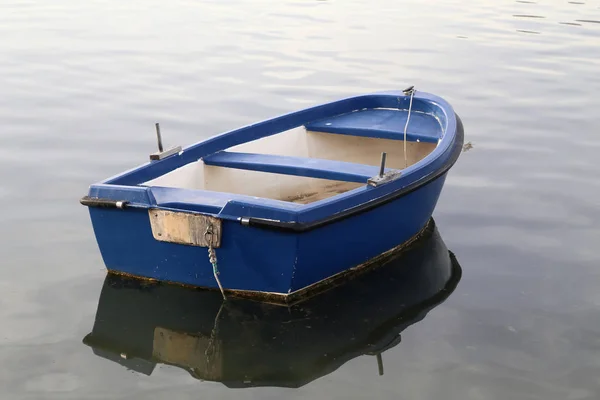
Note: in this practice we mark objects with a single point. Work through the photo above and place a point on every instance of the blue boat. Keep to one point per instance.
(284, 208)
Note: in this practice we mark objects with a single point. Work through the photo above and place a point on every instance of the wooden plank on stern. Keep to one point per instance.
(185, 228)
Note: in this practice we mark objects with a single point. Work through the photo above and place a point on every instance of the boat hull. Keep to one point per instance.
(290, 205)
(269, 263)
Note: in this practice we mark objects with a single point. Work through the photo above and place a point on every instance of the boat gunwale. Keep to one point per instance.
(298, 218)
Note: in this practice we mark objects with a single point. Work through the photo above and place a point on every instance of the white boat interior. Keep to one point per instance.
(297, 142)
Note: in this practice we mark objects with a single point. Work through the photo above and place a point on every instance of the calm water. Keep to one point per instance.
(82, 84)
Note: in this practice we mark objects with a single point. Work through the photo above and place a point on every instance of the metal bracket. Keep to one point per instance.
(160, 154)
(385, 178)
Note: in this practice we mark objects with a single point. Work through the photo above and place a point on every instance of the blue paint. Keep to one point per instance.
(363, 237)
(286, 246)
(127, 245)
(300, 166)
(381, 123)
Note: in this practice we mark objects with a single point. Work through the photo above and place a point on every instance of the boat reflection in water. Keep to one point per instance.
(243, 343)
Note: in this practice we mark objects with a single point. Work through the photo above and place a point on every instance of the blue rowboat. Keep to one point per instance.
(286, 207)
(242, 343)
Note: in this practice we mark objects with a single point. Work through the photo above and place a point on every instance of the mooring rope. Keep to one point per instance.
(212, 257)
(410, 90)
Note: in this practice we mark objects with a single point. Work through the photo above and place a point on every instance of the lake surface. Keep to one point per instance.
(84, 82)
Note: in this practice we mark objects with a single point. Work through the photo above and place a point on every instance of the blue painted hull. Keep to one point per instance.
(259, 260)
(273, 247)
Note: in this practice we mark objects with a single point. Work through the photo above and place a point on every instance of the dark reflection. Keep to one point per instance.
(242, 343)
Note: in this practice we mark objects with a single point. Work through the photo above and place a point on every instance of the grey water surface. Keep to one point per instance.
(83, 82)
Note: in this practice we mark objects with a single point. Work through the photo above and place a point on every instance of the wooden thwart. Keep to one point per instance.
(185, 228)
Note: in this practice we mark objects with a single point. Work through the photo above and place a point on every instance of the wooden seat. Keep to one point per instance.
(289, 165)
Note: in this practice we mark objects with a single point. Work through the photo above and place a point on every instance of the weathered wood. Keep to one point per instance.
(184, 228)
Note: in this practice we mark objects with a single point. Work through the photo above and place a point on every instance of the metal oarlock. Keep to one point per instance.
(160, 154)
(383, 177)
(160, 146)
(382, 166)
